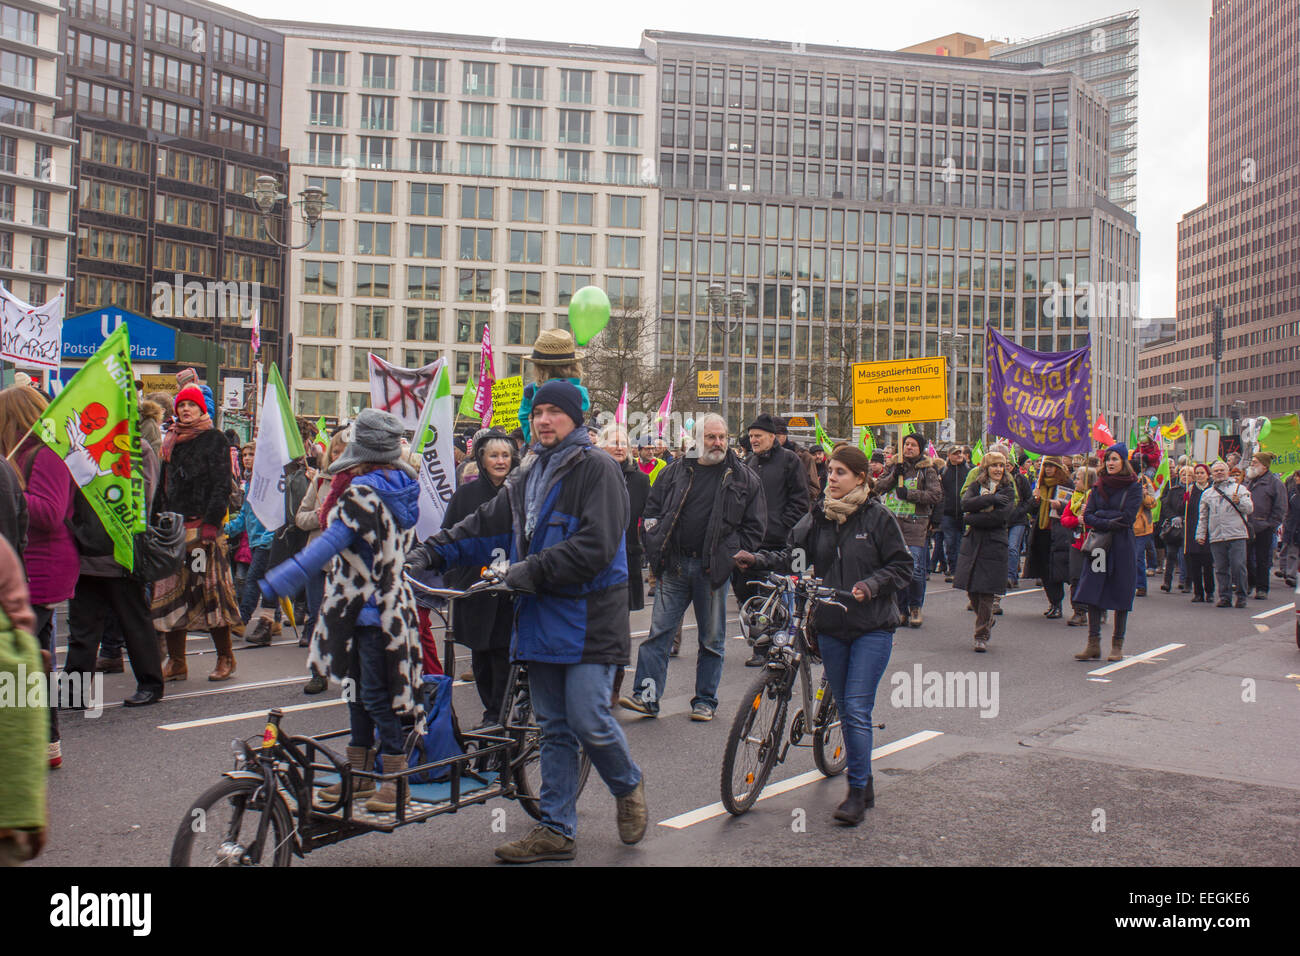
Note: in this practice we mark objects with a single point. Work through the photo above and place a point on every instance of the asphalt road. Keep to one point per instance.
(1184, 754)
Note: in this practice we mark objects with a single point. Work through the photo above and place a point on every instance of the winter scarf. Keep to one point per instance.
(1113, 483)
(350, 584)
(1045, 485)
(840, 510)
(183, 433)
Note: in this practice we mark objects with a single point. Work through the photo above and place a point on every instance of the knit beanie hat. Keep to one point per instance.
(192, 393)
(918, 438)
(766, 423)
(1265, 458)
(564, 395)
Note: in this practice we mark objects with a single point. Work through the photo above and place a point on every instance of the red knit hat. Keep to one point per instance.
(192, 393)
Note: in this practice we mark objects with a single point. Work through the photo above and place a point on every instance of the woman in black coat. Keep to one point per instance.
(1200, 563)
(1110, 574)
(614, 442)
(987, 506)
(1049, 542)
(484, 623)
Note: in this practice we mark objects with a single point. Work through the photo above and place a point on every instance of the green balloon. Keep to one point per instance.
(588, 313)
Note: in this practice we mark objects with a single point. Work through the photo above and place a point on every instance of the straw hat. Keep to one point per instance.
(554, 347)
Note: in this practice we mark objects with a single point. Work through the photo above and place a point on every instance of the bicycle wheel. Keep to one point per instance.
(527, 768)
(221, 826)
(754, 741)
(829, 752)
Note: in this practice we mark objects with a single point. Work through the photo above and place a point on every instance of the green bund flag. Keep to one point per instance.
(1281, 438)
(1162, 479)
(467, 402)
(822, 438)
(94, 426)
(867, 442)
(977, 452)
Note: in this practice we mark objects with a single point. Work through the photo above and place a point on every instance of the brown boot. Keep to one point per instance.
(1093, 651)
(385, 798)
(175, 668)
(225, 668)
(1079, 618)
(360, 758)
(1116, 649)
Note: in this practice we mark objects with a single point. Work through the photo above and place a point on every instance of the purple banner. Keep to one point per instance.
(1040, 400)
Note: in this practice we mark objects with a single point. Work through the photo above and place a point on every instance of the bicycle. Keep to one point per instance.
(758, 741)
(270, 808)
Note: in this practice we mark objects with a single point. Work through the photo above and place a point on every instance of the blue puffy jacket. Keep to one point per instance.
(248, 523)
(400, 493)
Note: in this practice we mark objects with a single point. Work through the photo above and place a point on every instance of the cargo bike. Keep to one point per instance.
(271, 806)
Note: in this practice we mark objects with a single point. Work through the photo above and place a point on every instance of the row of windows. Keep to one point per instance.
(375, 280)
(478, 78)
(420, 323)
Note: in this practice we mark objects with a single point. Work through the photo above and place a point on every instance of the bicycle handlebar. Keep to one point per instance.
(811, 586)
(485, 586)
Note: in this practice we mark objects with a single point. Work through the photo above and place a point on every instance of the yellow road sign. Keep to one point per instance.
(891, 393)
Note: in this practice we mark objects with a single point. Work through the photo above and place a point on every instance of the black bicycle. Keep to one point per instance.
(758, 740)
(272, 805)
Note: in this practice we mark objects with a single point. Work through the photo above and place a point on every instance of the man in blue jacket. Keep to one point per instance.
(561, 522)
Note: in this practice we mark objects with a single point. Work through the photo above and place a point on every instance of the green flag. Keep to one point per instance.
(1032, 455)
(322, 435)
(1162, 479)
(1281, 438)
(1132, 439)
(977, 452)
(467, 402)
(867, 442)
(822, 438)
(94, 426)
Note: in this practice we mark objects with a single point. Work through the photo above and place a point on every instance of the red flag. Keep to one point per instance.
(1101, 433)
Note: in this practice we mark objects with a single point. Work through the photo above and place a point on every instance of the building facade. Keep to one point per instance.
(1241, 250)
(870, 206)
(1105, 53)
(175, 109)
(36, 183)
(474, 182)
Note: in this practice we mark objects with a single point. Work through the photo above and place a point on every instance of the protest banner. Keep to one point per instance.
(31, 335)
(401, 391)
(507, 393)
(1043, 400)
(1281, 438)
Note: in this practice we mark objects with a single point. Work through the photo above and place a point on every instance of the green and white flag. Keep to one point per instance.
(435, 446)
(278, 443)
(821, 437)
(467, 401)
(94, 426)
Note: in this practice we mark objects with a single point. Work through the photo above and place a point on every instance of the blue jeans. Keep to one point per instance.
(914, 594)
(682, 584)
(1140, 549)
(372, 709)
(951, 528)
(571, 703)
(854, 669)
(251, 594)
(1015, 541)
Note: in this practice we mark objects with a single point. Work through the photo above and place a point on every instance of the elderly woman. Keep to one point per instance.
(483, 623)
(196, 484)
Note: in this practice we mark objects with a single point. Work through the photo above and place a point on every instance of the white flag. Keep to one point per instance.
(434, 444)
(31, 336)
(278, 443)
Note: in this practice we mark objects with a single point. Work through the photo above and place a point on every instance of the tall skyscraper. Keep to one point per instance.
(474, 182)
(873, 205)
(1105, 53)
(1241, 250)
(175, 107)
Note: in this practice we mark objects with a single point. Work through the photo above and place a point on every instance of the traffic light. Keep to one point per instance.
(1218, 332)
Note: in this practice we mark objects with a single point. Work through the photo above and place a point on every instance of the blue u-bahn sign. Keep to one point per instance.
(150, 341)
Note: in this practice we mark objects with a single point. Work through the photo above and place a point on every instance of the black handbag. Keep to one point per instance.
(1097, 541)
(160, 548)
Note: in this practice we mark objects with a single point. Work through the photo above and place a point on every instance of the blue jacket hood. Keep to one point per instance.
(400, 492)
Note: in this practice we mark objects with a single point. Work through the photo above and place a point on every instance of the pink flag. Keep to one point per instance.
(257, 328)
(662, 417)
(486, 376)
(930, 450)
(620, 414)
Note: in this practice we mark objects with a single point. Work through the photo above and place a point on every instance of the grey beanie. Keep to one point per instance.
(376, 439)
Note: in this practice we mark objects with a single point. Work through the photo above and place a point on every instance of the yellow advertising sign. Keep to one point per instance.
(891, 393)
(507, 393)
(159, 383)
(708, 385)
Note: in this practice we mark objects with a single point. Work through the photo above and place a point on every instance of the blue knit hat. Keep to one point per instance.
(563, 395)
(1119, 448)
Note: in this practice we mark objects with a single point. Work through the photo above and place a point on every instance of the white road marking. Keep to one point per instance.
(681, 821)
(247, 715)
(1022, 591)
(1100, 680)
(685, 627)
(1136, 658)
(1276, 610)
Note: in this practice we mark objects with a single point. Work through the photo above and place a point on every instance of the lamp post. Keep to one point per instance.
(948, 346)
(719, 299)
(266, 193)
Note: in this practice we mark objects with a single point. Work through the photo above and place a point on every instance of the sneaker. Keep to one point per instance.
(701, 712)
(542, 843)
(316, 684)
(636, 705)
(631, 812)
(1241, 600)
(1261, 594)
(981, 647)
(54, 752)
(1223, 602)
(914, 619)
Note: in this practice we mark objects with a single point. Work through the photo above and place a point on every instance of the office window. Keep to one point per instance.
(324, 149)
(474, 285)
(575, 86)
(479, 78)
(426, 199)
(476, 202)
(40, 207)
(522, 328)
(424, 282)
(477, 119)
(375, 195)
(328, 68)
(375, 238)
(526, 82)
(429, 75)
(470, 325)
(422, 324)
(475, 243)
(575, 249)
(423, 242)
(625, 212)
(370, 322)
(418, 358)
(475, 159)
(372, 280)
(567, 284)
(377, 152)
(40, 254)
(575, 126)
(574, 165)
(526, 205)
(427, 116)
(311, 403)
(378, 71)
(320, 318)
(361, 362)
(524, 288)
(525, 162)
(525, 246)
(320, 278)
(624, 89)
(622, 129)
(426, 156)
(576, 209)
(624, 252)
(316, 361)
(526, 122)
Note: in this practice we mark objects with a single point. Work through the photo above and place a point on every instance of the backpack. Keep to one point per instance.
(441, 737)
(91, 537)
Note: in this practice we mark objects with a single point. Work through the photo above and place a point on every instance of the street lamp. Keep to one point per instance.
(1176, 394)
(266, 193)
(719, 299)
(1239, 408)
(948, 346)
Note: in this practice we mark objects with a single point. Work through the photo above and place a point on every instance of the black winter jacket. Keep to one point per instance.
(952, 479)
(982, 562)
(736, 522)
(785, 488)
(483, 622)
(868, 549)
(13, 509)
(196, 483)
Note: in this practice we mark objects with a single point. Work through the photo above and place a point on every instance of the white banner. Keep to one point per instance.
(401, 391)
(31, 336)
(266, 489)
(434, 441)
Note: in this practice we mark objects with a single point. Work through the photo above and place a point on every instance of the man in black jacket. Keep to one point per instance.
(953, 480)
(785, 488)
(700, 512)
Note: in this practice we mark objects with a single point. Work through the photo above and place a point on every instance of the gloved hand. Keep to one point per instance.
(209, 532)
(423, 558)
(519, 577)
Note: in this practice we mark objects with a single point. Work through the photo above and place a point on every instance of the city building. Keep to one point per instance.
(1240, 251)
(36, 183)
(474, 181)
(876, 205)
(954, 44)
(175, 108)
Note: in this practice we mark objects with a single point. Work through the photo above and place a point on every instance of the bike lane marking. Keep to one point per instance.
(1276, 610)
(1135, 659)
(681, 821)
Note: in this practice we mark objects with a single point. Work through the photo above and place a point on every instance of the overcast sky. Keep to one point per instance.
(1173, 64)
